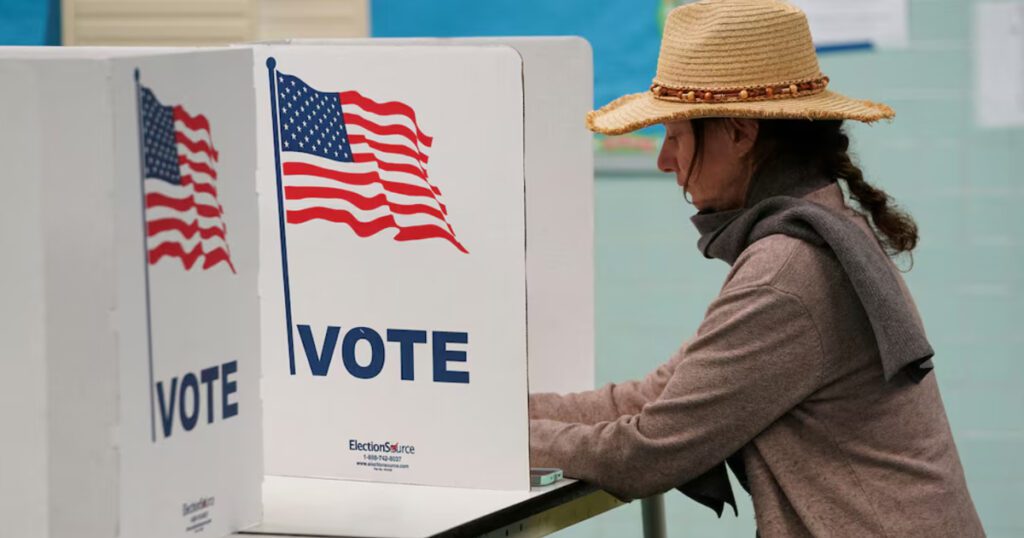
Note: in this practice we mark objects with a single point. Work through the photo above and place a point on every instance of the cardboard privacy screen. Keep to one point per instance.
(136, 319)
(558, 87)
(393, 275)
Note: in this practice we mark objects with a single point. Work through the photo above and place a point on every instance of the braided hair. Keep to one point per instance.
(826, 145)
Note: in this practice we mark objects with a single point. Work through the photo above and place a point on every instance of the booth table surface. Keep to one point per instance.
(310, 507)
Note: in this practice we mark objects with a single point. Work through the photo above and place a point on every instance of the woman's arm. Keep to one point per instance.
(756, 356)
(608, 402)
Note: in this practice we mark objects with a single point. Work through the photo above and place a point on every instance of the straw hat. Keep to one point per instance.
(736, 59)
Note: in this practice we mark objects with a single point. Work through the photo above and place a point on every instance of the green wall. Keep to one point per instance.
(960, 182)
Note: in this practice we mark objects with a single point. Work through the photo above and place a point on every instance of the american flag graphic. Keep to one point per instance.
(183, 217)
(351, 160)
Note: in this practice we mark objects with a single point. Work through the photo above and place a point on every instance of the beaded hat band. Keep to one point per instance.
(754, 93)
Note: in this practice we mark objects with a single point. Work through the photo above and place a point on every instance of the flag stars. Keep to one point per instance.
(312, 121)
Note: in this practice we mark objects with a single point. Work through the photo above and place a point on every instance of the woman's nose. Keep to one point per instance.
(666, 160)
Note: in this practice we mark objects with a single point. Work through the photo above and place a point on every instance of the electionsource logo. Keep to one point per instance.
(192, 507)
(386, 447)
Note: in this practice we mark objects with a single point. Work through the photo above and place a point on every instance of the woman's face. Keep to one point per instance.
(721, 176)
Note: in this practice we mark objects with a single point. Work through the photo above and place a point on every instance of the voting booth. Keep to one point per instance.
(402, 232)
(558, 91)
(422, 251)
(393, 278)
(130, 313)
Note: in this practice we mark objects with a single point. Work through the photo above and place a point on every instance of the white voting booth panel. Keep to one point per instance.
(558, 84)
(393, 277)
(133, 329)
(23, 459)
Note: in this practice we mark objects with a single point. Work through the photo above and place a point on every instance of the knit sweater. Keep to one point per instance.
(785, 370)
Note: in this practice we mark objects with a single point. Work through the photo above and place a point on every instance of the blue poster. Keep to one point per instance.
(625, 34)
(29, 22)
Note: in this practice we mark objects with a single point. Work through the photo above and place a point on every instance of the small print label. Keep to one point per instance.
(198, 514)
(384, 457)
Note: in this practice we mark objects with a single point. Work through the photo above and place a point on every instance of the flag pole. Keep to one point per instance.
(145, 251)
(271, 65)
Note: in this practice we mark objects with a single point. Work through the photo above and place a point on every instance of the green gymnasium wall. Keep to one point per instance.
(962, 184)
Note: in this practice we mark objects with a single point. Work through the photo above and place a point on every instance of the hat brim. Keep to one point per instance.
(639, 110)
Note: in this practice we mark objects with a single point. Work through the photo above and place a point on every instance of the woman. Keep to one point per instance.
(809, 375)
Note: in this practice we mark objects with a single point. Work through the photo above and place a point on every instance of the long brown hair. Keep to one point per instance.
(825, 146)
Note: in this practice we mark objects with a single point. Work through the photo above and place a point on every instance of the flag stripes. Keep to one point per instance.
(348, 159)
(184, 218)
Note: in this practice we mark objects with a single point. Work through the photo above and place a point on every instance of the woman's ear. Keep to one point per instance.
(742, 134)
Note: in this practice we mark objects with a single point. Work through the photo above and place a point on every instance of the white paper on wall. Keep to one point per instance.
(880, 23)
(999, 64)
(393, 270)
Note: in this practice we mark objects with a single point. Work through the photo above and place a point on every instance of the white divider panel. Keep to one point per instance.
(140, 354)
(558, 84)
(394, 274)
